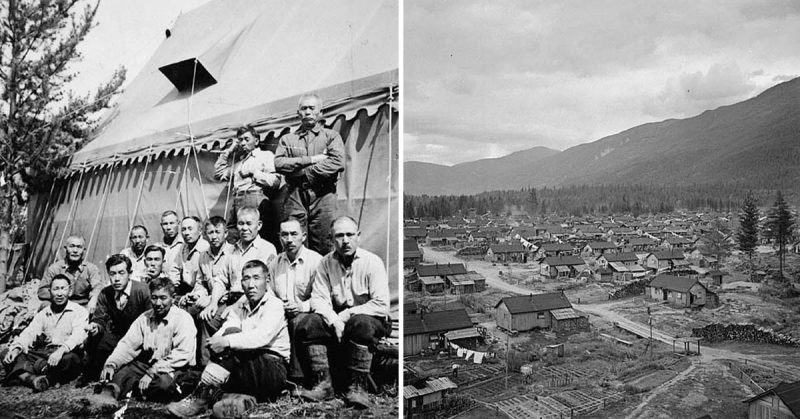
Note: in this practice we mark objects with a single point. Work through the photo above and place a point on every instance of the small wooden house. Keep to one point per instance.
(426, 395)
(562, 267)
(536, 311)
(680, 291)
(513, 252)
(412, 255)
(782, 402)
(423, 330)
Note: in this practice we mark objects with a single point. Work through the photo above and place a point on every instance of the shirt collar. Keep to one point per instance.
(166, 319)
(48, 311)
(178, 240)
(246, 302)
(225, 249)
(256, 244)
(127, 290)
(338, 258)
(301, 256)
(315, 129)
(65, 265)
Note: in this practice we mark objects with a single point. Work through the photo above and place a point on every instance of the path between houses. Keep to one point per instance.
(659, 390)
(491, 273)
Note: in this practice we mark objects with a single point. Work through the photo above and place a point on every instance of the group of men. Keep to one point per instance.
(251, 321)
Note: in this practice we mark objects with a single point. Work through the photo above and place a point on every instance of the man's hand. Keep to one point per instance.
(144, 382)
(56, 356)
(93, 329)
(208, 313)
(108, 373)
(90, 306)
(291, 308)
(12, 354)
(217, 344)
(338, 328)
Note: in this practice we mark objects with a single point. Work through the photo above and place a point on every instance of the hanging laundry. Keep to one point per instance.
(479, 357)
(469, 355)
(460, 352)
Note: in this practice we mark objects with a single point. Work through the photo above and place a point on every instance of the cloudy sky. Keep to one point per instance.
(483, 79)
(127, 33)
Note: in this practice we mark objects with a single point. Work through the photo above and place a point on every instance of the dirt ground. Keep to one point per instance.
(65, 402)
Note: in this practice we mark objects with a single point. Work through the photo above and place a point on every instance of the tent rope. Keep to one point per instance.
(141, 189)
(102, 206)
(39, 230)
(200, 179)
(69, 214)
(389, 195)
(191, 140)
(230, 182)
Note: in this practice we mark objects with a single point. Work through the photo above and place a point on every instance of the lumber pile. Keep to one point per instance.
(742, 333)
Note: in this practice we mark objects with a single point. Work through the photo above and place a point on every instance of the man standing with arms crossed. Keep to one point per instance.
(311, 158)
(350, 297)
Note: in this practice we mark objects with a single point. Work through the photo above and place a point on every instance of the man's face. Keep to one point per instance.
(169, 225)
(292, 236)
(345, 237)
(119, 276)
(248, 225)
(248, 141)
(254, 282)
(216, 235)
(309, 111)
(74, 249)
(153, 263)
(59, 291)
(138, 240)
(190, 230)
(162, 301)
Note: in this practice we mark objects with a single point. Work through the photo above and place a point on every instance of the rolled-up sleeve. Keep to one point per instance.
(378, 304)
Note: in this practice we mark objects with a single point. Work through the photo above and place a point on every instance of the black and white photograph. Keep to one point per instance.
(199, 213)
(600, 209)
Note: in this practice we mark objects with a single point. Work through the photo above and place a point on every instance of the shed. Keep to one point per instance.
(782, 401)
(422, 330)
(426, 394)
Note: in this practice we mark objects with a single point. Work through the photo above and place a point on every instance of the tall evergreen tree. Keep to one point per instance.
(41, 122)
(747, 236)
(780, 225)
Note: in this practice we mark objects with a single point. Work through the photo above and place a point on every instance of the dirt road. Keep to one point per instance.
(491, 273)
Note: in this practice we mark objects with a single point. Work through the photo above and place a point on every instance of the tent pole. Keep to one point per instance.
(72, 207)
(132, 221)
(39, 230)
(389, 189)
(102, 206)
(200, 179)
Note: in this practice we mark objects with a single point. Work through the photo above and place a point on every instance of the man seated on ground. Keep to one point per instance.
(250, 245)
(173, 242)
(222, 286)
(138, 238)
(350, 297)
(118, 305)
(183, 272)
(248, 353)
(158, 347)
(154, 263)
(48, 350)
(84, 276)
(292, 277)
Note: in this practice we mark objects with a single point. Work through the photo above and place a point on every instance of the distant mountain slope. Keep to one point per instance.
(434, 179)
(755, 143)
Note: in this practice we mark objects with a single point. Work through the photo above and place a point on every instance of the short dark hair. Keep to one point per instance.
(140, 227)
(169, 212)
(216, 221)
(246, 128)
(344, 217)
(160, 283)
(155, 248)
(118, 258)
(60, 276)
(256, 264)
(296, 220)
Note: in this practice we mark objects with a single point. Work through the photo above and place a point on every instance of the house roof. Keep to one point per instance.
(619, 257)
(789, 393)
(641, 241)
(674, 283)
(677, 240)
(535, 302)
(548, 247)
(436, 321)
(666, 255)
(441, 269)
(415, 232)
(563, 260)
(411, 249)
(601, 245)
(507, 248)
(431, 386)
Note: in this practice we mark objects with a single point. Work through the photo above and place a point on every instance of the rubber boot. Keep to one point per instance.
(323, 386)
(360, 364)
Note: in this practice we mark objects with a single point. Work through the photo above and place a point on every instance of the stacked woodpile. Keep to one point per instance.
(630, 289)
(743, 333)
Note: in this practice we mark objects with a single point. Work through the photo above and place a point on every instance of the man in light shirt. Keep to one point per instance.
(48, 350)
(158, 347)
(251, 172)
(173, 242)
(350, 297)
(250, 245)
(183, 271)
(248, 353)
(135, 252)
(292, 277)
(217, 279)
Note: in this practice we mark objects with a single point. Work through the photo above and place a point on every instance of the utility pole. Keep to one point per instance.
(508, 355)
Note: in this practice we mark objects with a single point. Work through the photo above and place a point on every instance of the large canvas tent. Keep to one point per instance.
(223, 65)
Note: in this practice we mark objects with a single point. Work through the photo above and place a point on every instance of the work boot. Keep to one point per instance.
(196, 403)
(233, 406)
(105, 401)
(360, 364)
(323, 386)
(38, 383)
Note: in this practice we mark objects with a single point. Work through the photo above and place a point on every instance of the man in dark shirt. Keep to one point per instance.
(84, 276)
(311, 158)
(118, 305)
